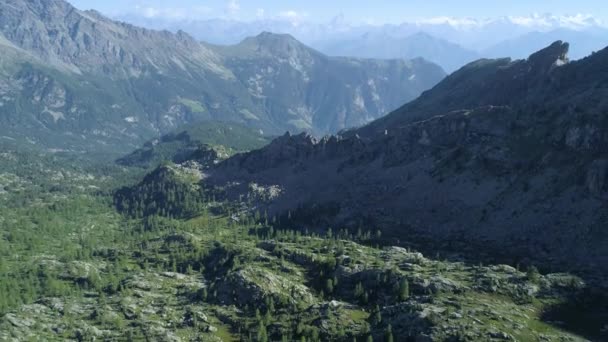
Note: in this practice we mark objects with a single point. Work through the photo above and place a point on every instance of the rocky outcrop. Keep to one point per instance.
(253, 285)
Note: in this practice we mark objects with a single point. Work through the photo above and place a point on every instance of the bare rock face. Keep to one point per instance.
(86, 41)
(502, 155)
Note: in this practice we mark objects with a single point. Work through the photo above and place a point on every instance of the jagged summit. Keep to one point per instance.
(555, 54)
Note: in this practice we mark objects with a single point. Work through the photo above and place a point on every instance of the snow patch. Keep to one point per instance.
(256, 88)
(372, 86)
(249, 115)
(359, 101)
(55, 115)
(169, 120)
(560, 62)
(179, 63)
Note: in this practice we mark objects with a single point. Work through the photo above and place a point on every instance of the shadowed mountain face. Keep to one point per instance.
(509, 156)
(74, 79)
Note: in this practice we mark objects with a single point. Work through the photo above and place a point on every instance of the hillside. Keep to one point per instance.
(189, 265)
(503, 157)
(76, 80)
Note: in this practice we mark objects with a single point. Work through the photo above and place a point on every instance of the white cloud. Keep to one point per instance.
(577, 21)
(452, 21)
(173, 13)
(533, 21)
(293, 16)
(260, 13)
(233, 7)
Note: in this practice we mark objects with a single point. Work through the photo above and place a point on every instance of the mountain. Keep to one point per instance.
(583, 43)
(448, 41)
(448, 55)
(475, 34)
(305, 90)
(76, 80)
(502, 157)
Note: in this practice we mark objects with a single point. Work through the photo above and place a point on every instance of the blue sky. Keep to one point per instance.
(377, 11)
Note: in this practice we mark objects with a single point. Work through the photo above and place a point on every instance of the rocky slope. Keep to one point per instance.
(74, 79)
(503, 156)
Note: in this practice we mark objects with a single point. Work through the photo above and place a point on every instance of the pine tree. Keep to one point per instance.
(262, 333)
(377, 315)
(359, 291)
(329, 286)
(389, 333)
(404, 290)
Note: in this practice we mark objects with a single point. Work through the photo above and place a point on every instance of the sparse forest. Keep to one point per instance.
(161, 260)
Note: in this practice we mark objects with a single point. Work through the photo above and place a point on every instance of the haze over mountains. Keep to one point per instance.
(450, 42)
(75, 79)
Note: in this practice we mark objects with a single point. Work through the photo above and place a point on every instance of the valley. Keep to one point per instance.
(154, 187)
(75, 268)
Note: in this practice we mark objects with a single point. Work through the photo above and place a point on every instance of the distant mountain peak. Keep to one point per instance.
(267, 35)
(270, 39)
(274, 44)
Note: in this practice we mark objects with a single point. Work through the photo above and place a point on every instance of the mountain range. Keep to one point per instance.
(449, 42)
(448, 55)
(76, 80)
